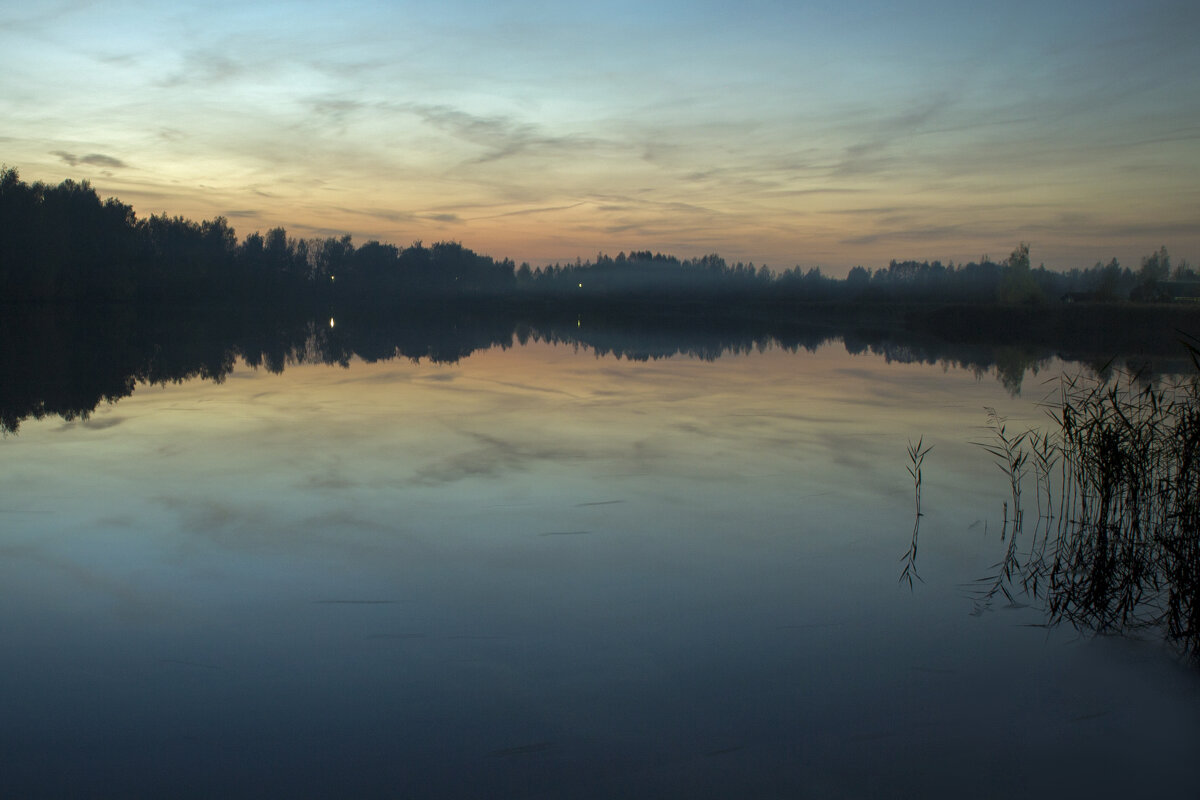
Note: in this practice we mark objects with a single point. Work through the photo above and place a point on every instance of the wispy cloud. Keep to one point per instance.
(864, 159)
(391, 215)
(926, 234)
(207, 67)
(892, 135)
(524, 212)
(500, 136)
(91, 159)
(336, 108)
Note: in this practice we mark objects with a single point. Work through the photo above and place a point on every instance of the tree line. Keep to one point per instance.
(63, 244)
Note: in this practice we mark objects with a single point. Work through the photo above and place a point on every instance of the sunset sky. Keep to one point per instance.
(791, 133)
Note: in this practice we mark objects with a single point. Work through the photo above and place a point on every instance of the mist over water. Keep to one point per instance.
(542, 571)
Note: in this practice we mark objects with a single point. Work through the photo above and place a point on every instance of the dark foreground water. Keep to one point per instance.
(541, 573)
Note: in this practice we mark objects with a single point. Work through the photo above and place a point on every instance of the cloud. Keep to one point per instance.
(91, 159)
(100, 160)
(118, 59)
(204, 67)
(335, 108)
(918, 115)
(876, 211)
(388, 214)
(501, 136)
(814, 191)
(527, 211)
(932, 234)
(1138, 230)
(863, 159)
(613, 214)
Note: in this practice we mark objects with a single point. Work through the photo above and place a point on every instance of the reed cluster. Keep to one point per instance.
(1126, 546)
(1116, 544)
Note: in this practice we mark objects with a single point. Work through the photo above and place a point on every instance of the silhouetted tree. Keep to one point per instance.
(1017, 284)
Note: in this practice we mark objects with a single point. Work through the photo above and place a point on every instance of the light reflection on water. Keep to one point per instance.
(541, 573)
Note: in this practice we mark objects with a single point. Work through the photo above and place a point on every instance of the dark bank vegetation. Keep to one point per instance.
(63, 244)
(1115, 546)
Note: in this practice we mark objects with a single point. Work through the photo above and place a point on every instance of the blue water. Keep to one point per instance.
(540, 573)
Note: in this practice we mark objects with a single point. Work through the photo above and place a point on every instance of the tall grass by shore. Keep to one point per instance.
(1115, 547)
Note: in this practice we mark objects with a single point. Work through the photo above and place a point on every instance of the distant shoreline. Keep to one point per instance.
(63, 244)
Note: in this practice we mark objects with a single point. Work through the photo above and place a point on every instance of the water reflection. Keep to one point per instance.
(535, 572)
(67, 362)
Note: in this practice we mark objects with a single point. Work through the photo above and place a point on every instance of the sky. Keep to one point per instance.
(788, 133)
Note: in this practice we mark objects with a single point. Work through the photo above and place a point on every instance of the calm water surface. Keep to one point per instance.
(539, 573)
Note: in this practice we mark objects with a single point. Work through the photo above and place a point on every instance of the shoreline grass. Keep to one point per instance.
(1115, 547)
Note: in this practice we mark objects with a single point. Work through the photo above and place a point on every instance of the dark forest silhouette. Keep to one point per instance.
(63, 244)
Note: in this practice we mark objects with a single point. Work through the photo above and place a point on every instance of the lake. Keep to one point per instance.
(540, 571)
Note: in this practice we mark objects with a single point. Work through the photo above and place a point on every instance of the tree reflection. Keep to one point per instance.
(64, 361)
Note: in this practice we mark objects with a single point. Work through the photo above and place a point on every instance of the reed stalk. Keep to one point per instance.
(916, 457)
